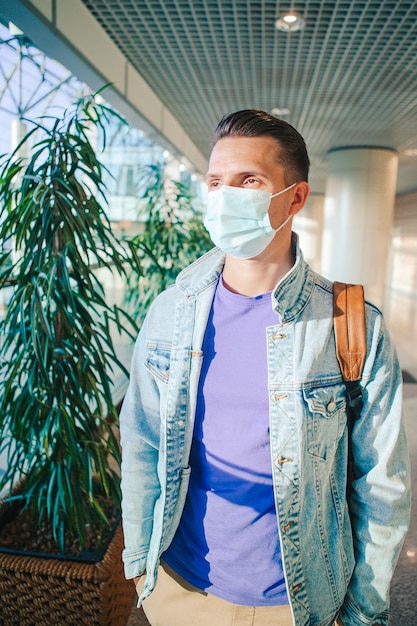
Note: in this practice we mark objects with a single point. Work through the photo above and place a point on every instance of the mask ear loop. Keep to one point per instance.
(283, 224)
(290, 216)
(283, 190)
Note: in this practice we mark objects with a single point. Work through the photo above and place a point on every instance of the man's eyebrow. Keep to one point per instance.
(243, 173)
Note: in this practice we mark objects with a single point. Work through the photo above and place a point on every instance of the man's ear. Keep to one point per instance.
(301, 191)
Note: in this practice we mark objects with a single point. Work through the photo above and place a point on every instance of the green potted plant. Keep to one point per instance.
(173, 235)
(58, 422)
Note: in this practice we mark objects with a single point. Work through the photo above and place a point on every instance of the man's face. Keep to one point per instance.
(251, 163)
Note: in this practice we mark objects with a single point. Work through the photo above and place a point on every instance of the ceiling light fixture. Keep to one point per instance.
(289, 23)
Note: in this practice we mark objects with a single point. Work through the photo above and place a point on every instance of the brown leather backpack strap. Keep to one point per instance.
(349, 325)
(350, 334)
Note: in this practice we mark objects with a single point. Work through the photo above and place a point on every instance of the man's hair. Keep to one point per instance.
(291, 152)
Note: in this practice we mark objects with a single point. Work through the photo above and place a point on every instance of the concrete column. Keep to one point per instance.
(18, 131)
(358, 213)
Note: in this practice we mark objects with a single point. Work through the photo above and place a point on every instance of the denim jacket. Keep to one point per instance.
(335, 562)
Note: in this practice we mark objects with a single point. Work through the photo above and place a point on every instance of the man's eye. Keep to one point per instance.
(214, 184)
(251, 181)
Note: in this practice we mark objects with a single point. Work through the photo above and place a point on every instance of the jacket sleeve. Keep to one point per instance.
(380, 500)
(140, 433)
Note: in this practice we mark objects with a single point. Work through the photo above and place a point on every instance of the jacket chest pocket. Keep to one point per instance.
(158, 358)
(326, 419)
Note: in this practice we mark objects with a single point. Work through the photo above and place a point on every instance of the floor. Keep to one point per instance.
(402, 321)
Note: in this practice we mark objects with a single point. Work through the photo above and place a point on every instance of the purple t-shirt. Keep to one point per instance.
(227, 542)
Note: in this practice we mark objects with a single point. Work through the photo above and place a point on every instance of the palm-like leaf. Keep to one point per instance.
(57, 354)
(173, 236)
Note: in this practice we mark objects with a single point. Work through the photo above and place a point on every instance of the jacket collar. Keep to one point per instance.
(294, 290)
(289, 297)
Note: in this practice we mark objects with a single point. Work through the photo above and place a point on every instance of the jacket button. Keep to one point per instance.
(331, 406)
(283, 459)
(280, 396)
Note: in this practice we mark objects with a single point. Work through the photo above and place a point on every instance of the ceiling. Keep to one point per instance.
(349, 77)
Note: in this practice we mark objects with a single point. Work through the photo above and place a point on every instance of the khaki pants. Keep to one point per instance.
(176, 603)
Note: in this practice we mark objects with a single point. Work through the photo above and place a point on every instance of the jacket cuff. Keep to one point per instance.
(134, 565)
(351, 615)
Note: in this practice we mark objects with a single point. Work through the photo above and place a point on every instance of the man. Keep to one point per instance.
(234, 430)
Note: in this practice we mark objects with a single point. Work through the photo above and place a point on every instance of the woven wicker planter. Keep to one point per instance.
(54, 592)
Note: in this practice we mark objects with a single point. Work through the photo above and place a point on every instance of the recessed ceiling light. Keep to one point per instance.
(411, 152)
(289, 23)
(280, 111)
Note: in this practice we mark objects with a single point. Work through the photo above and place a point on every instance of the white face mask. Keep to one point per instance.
(238, 222)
